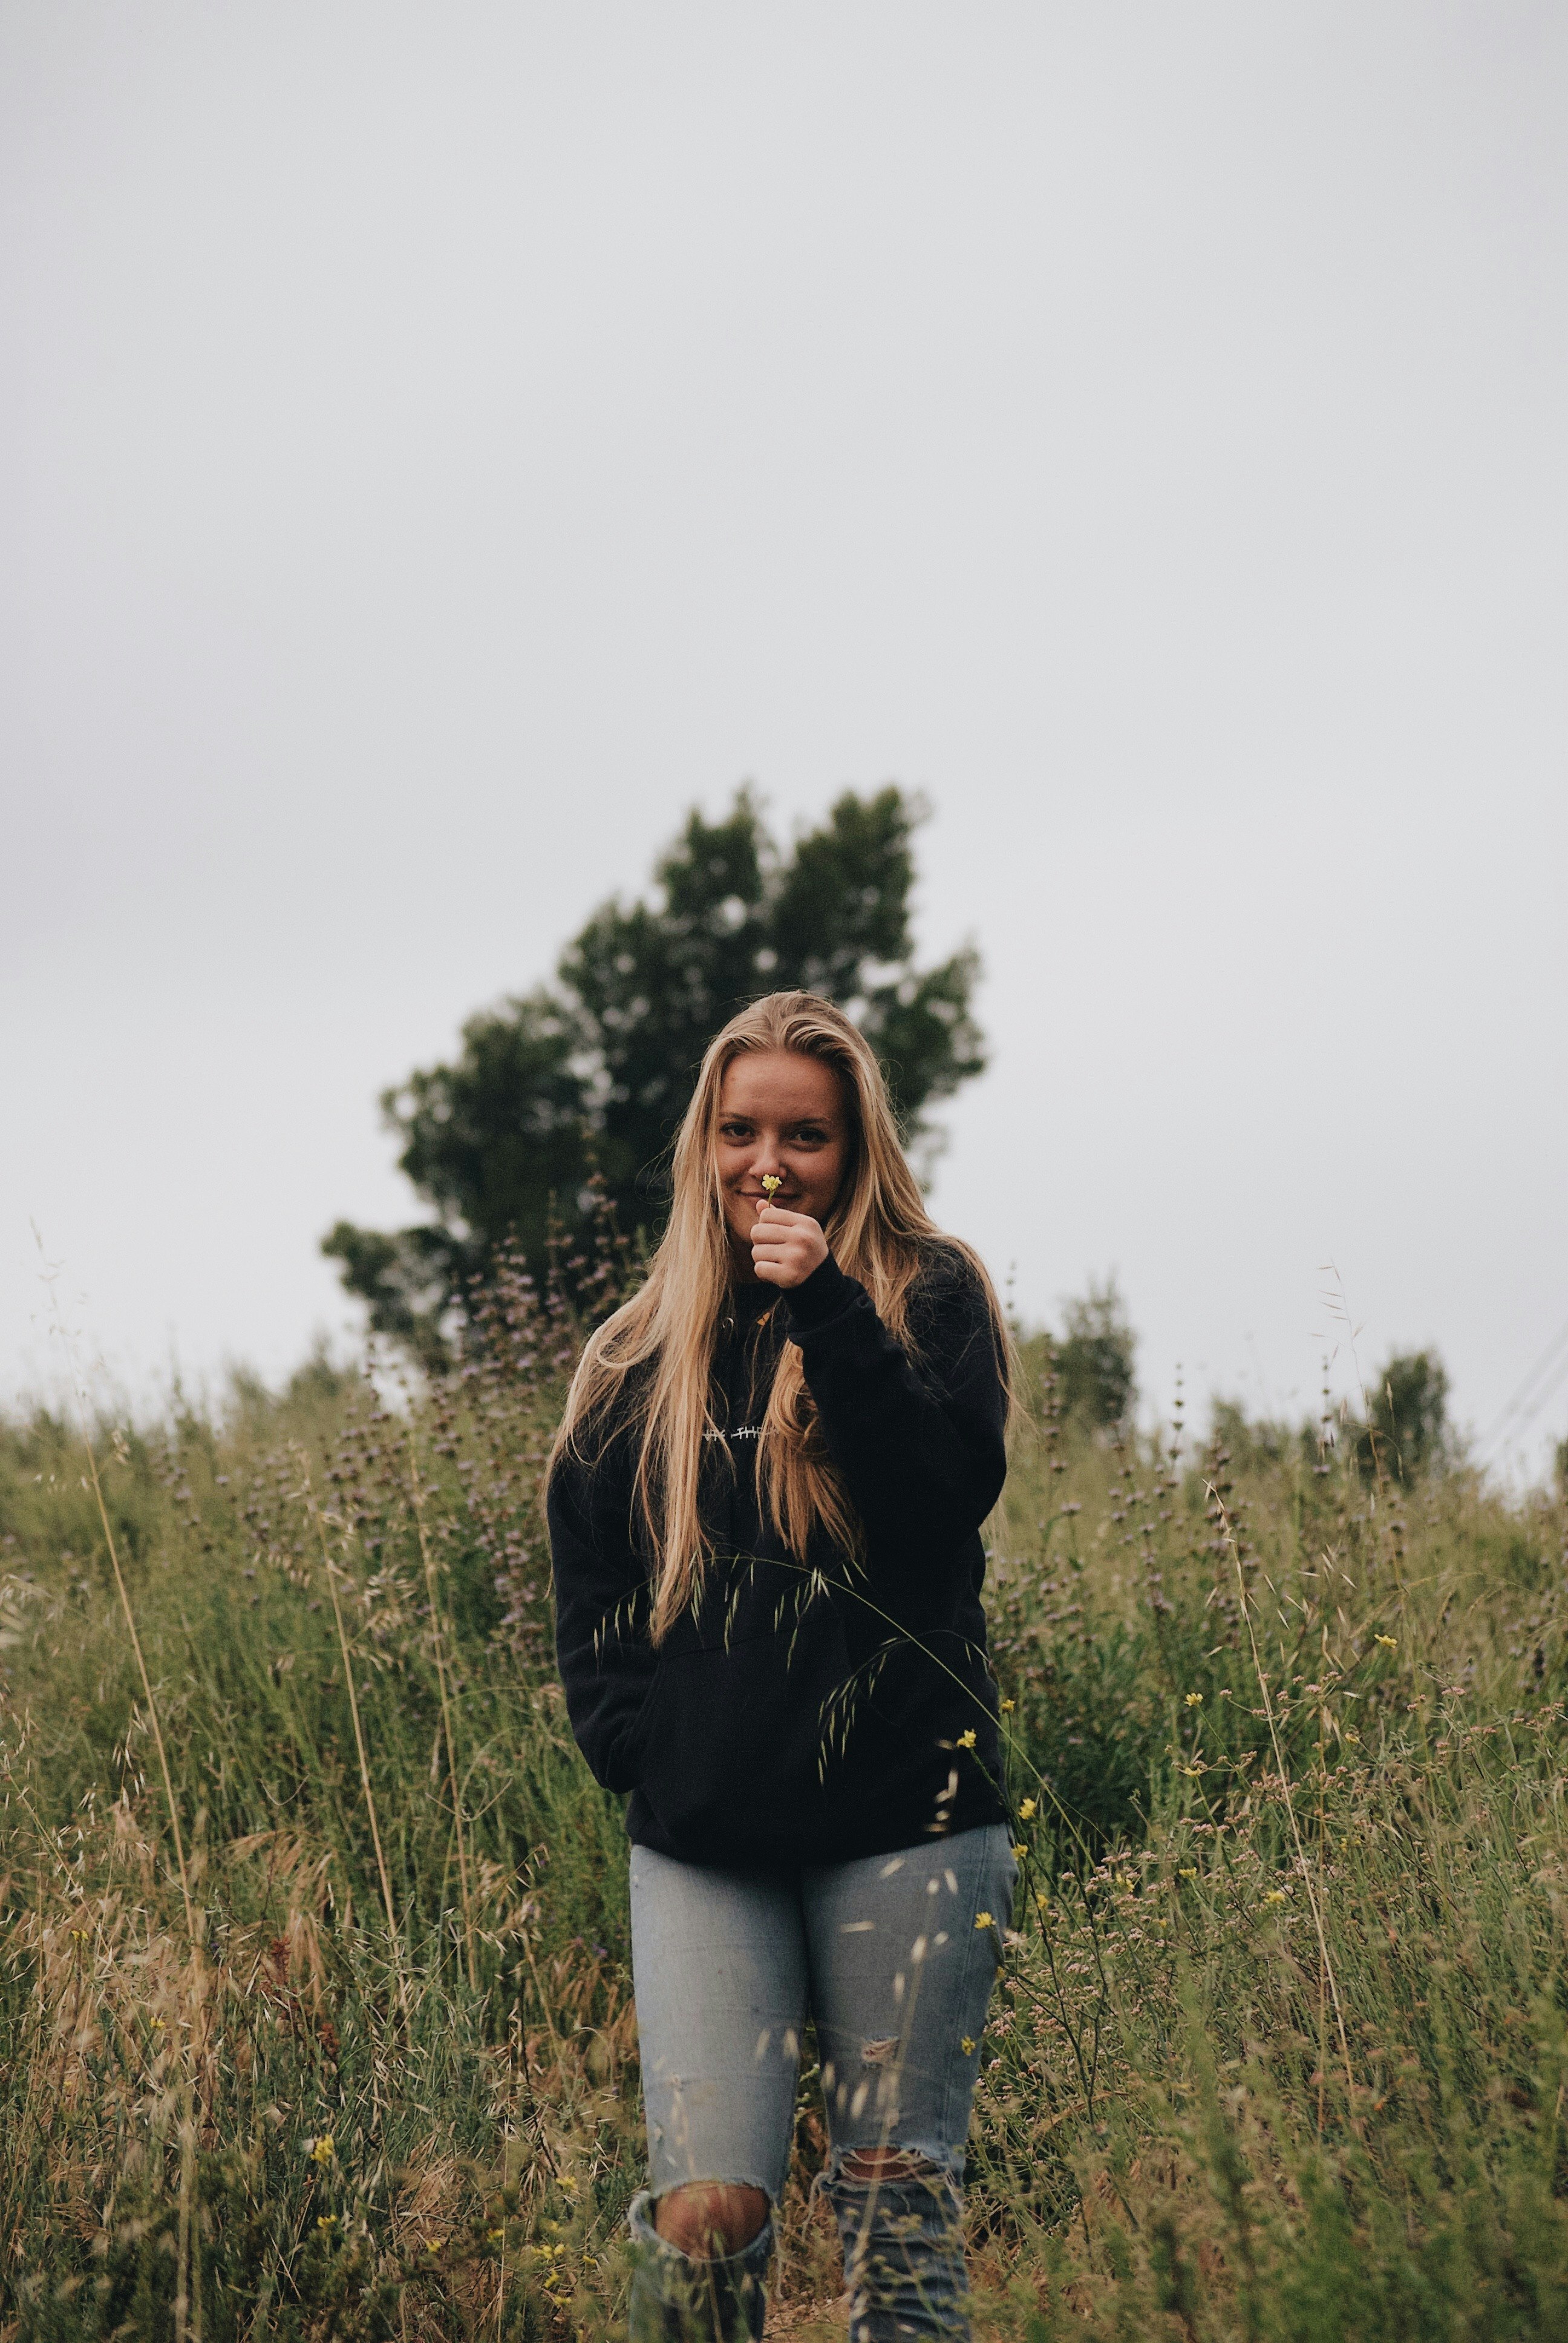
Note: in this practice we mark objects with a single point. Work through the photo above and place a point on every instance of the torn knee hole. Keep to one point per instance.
(879, 2052)
(707, 2216)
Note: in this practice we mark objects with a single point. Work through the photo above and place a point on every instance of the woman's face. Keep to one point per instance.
(787, 1117)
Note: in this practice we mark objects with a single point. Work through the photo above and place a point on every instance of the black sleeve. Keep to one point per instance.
(919, 1439)
(602, 1646)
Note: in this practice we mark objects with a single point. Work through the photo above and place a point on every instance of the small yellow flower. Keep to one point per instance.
(771, 1183)
(327, 2220)
(496, 2237)
(1350, 1734)
(1028, 1808)
(1389, 1643)
(322, 2151)
(1275, 1896)
(1188, 1871)
(984, 1920)
(1008, 1706)
(1020, 1851)
(1194, 1700)
(966, 1740)
(967, 2046)
(1041, 1900)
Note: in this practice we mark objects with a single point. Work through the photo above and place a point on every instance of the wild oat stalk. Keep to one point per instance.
(182, 2299)
(123, 1590)
(438, 1638)
(1260, 1671)
(314, 1510)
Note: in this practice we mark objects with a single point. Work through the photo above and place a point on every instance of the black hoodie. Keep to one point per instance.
(800, 1716)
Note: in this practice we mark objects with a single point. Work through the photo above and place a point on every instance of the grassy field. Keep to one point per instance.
(1279, 2051)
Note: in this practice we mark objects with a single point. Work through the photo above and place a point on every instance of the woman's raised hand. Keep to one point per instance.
(786, 1247)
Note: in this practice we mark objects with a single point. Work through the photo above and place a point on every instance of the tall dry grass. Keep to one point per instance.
(1279, 2051)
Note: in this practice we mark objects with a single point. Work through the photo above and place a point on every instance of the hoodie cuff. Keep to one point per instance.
(826, 1293)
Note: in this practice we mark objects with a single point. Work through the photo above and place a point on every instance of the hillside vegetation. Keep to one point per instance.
(1280, 2050)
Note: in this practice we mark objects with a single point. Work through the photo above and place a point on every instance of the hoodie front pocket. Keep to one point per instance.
(735, 1740)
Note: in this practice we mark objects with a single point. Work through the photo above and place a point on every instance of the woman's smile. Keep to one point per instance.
(782, 1139)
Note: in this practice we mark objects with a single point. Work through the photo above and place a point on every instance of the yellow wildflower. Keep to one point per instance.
(967, 2046)
(1041, 1900)
(966, 1740)
(1194, 1700)
(1188, 1871)
(1275, 1896)
(322, 2151)
(1389, 1643)
(327, 2220)
(772, 1181)
(1020, 1851)
(1008, 1706)
(984, 1920)
(1028, 1808)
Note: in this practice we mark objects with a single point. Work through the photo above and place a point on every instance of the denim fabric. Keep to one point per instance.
(903, 2238)
(674, 2297)
(885, 1956)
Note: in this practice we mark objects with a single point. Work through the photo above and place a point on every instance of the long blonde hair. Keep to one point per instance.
(659, 1347)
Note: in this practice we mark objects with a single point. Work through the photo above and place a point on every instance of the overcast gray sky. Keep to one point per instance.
(441, 444)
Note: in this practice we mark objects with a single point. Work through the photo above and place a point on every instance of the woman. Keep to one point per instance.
(765, 1503)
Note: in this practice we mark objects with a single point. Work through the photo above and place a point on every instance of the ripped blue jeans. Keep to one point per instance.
(893, 1957)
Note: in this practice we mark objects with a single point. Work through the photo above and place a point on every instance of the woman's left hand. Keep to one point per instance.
(786, 1247)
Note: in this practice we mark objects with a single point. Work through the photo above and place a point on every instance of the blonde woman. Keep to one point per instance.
(765, 1506)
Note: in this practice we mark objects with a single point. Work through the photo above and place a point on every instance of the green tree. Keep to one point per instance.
(1407, 1419)
(591, 1074)
(1094, 1358)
